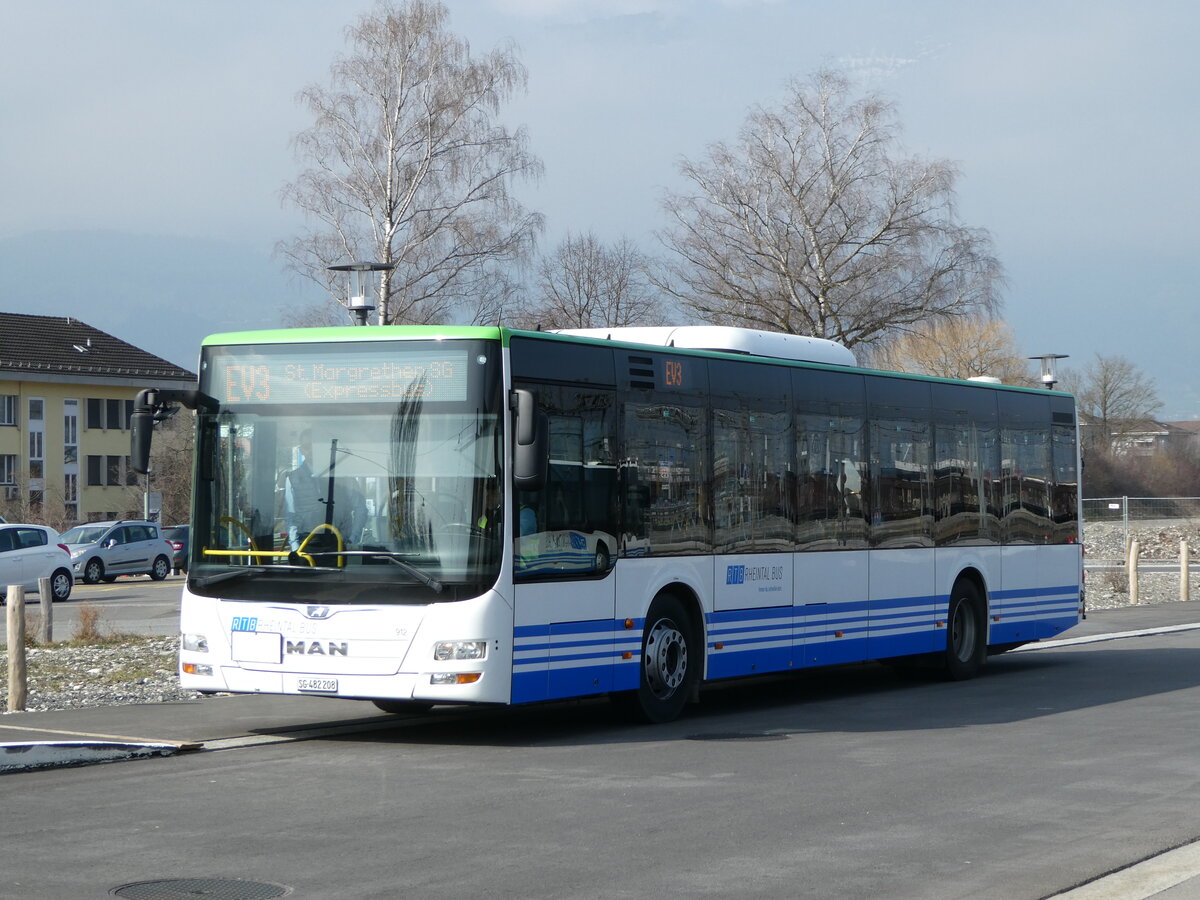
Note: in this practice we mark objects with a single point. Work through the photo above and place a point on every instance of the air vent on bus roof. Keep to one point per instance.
(729, 340)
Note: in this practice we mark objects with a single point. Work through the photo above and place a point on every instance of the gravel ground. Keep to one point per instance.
(1157, 541)
(143, 670)
(65, 676)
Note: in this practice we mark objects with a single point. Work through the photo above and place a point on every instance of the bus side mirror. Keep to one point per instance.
(153, 405)
(531, 449)
(141, 429)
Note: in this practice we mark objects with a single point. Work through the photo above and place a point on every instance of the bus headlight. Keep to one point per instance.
(197, 643)
(446, 650)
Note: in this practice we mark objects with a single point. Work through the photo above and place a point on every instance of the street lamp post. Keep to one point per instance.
(357, 300)
(1049, 368)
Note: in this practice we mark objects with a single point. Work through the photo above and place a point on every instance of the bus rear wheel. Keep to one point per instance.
(966, 633)
(670, 661)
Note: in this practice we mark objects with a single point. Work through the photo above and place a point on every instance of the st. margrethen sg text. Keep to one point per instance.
(381, 372)
(385, 381)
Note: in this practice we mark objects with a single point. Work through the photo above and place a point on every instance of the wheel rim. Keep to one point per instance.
(666, 659)
(61, 586)
(92, 572)
(962, 635)
(161, 568)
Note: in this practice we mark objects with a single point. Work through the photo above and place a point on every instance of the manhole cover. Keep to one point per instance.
(739, 736)
(192, 888)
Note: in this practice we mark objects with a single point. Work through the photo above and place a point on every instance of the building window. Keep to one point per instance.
(8, 468)
(8, 409)
(109, 414)
(37, 451)
(113, 469)
(70, 423)
(95, 466)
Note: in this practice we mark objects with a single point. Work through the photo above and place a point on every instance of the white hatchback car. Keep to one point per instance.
(31, 552)
(101, 551)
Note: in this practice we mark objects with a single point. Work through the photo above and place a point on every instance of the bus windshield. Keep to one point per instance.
(362, 472)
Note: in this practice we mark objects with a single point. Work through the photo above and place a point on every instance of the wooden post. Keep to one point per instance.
(17, 683)
(1132, 565)
(46, 627)
(1185, 562)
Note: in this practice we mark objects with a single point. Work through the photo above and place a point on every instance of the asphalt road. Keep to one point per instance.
(1055, 766)
(133, 604)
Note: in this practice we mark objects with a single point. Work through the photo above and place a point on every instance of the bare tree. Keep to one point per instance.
(588, 284)
(1115, 400)
(957, 348)
(408, 166)
(171, 466)
(815, 223)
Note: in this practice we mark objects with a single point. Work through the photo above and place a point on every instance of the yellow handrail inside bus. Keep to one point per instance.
(341, 545)
(245, 530)
(268, 554)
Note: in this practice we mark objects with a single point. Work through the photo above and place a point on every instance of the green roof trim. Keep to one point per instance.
(344, 333)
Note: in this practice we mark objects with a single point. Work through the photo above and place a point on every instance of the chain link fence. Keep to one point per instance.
(1163, 528)
(1139, 509)
(1157, 523)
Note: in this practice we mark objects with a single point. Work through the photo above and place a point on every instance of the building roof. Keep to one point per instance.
(1189, 426)
(64, 346)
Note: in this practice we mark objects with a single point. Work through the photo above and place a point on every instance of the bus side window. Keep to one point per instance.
(568, 527)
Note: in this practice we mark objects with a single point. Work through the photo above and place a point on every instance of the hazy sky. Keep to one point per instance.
(1074, 124)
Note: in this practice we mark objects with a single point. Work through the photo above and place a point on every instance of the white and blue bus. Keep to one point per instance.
(422, 515)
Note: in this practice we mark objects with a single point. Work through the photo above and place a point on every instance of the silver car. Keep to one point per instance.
(32, 552)
(100, 551)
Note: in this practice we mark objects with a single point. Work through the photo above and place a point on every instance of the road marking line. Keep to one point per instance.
(182, 745)
(1110, 636)
(1141, 880)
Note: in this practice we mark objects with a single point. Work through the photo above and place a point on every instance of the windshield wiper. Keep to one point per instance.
(254, 571)
(249, 572)
(428, 580)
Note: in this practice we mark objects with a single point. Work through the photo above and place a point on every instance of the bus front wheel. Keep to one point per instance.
(671, 661)
(966, 632)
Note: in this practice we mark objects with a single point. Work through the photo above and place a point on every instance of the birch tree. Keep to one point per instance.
(408, 165)
(815, 222)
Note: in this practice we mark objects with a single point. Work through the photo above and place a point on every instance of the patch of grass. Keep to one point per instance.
(1115, 581)
(90, 633)
(87, 625)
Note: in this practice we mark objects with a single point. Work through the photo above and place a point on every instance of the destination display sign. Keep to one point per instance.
(316, 373)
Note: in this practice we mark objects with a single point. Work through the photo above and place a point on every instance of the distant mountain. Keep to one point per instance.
(161, 293)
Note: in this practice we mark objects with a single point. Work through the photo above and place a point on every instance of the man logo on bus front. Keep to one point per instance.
(316, 612)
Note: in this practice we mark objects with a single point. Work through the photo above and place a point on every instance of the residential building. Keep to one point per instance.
(1141, 437)
(66, 397)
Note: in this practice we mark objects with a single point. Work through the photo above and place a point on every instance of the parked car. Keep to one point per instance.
(31, 552)
(100, 551)
(177, 536)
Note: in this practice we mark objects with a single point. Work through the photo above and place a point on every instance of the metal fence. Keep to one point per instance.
(1137, 509)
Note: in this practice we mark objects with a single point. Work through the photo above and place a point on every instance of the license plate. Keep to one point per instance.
(317, 685)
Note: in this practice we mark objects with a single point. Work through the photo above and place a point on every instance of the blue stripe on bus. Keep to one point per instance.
(572, 659)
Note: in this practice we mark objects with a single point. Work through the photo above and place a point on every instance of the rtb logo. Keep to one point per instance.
(735, 574)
